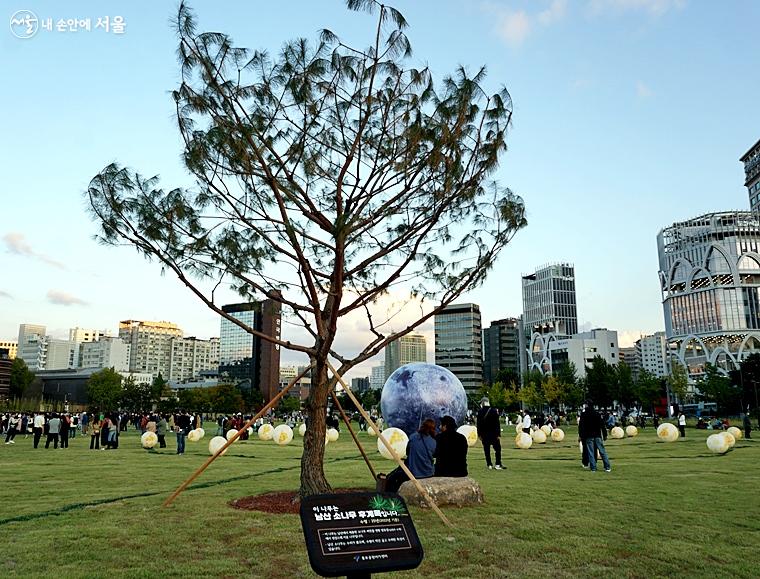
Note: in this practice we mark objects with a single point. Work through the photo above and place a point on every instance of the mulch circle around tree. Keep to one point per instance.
(280, 502)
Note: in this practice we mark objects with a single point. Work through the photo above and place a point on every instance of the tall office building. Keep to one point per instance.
(191, 356)
(549, 312)
(405, 350)
(11, 347)
(710, 282)
(377, 376)
(32, 346)
(150, 345)
(248, 359)
(652, 354)
(751, 160)
(6, 363)
(501, 348)
(458, 343)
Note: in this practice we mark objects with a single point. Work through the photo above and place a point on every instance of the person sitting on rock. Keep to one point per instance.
(450, 450)
(419, 457)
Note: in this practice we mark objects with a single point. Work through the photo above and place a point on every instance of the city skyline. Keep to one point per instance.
(606, 151)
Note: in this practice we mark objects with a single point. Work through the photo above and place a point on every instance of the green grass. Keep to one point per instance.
(664, 510)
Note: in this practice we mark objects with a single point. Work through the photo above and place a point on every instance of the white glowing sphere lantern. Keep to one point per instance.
(282, 435)
(230, 433)
(735, 432)
(250, 431)
(729, 438)
(470, 433)
(201, 433)
(371, 431)
(216, 444)
(193, 436)
(539, 436)
(398, 440)
(718, 444)
(547, 430)
(266, 432)
(667, 432)
(631, 430)
(558, 435)
(332, 435)
(149, 439)
(617, 432)
(302, 430)
(523, 440)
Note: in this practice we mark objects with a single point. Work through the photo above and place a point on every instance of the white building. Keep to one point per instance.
(32, 346)
(81, 336)
(60, 354)
(377, 377)
(580, 349)
(105, 353)
(652, 354)
(405, 350)
(150, 345)
(191, 356)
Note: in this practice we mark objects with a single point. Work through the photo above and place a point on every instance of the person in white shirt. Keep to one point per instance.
(682, 424)
(526, 423)
(38, 428)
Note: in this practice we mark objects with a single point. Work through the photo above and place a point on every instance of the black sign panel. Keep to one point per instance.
(359, 533)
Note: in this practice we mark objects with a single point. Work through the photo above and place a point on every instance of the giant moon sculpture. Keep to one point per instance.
(418, 391)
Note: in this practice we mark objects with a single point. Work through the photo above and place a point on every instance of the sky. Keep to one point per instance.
(629, 115)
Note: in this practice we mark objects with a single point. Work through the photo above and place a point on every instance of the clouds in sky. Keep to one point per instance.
(5, 295)
(652, 7)
(61, 298)
(515, 26)
(642, 90)
(16, 243)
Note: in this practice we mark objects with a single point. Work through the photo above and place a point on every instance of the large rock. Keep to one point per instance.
(457, 491)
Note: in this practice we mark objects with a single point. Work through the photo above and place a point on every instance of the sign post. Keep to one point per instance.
(357, 534)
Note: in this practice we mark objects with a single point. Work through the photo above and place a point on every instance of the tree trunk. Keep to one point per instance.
(313, 480)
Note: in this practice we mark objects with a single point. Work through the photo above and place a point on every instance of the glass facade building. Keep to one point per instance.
(247, 359)
(710, 281)
(501, 348)
(549, 312)
(458, 343)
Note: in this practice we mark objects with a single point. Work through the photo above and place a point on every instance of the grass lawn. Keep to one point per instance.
(664, 510)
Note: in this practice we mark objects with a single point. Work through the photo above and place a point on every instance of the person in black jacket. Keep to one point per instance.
(489, 431)
(450, 450)
(591, 431)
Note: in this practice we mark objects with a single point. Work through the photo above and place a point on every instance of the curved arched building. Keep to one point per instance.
(710, 282)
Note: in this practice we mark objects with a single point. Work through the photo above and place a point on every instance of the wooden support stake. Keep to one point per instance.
(212, 458)
(356, 440)
(393, 453)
